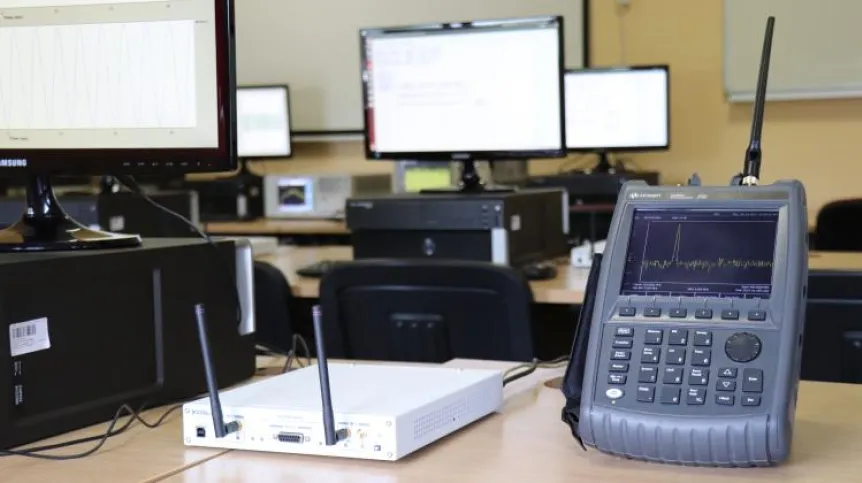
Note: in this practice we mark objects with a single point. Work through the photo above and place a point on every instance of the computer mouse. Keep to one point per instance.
(540, 271)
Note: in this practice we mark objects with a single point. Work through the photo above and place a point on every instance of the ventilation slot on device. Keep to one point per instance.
(439, 418)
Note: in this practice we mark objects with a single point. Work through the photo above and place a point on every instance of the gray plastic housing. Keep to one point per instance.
(709, 434)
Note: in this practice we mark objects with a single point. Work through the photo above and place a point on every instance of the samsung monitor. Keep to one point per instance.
(465, 91)
(617, 110)
(110, 87)
(263, 122)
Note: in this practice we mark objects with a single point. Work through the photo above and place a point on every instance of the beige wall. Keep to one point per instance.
(818, 142)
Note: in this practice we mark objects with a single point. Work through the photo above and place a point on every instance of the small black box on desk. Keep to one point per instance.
(88, 331)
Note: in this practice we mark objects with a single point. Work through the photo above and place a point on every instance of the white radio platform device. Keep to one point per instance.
(381, 412)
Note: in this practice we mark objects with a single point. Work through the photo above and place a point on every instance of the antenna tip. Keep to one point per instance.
(315, 311)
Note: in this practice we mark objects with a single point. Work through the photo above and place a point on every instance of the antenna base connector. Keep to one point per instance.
(749, 180)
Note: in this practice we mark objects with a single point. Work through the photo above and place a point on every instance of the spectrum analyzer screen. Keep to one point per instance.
(700, 253)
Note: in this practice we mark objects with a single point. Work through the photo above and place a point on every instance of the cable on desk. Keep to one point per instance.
(38, 451)
(522, 370)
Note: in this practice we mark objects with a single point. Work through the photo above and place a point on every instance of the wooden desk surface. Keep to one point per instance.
(137, 455)
(567, 288)
(528, 442)
(265, 226)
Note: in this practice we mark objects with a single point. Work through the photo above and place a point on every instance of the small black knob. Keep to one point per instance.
(742, 347)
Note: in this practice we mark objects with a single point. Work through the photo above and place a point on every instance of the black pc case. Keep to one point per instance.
(89, 331)
(508, 228)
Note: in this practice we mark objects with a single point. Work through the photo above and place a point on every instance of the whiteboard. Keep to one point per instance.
(313, 46)
(816, 48)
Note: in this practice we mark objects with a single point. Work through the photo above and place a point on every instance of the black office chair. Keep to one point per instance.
(426, 311)
(272, 302)
(839, 226)
(832, 348)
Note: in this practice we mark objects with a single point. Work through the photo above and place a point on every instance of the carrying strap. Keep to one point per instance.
(573, 380)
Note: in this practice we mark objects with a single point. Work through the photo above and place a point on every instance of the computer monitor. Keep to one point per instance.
(617, 110)
(466, 91)
(263, 122)
(121, 88)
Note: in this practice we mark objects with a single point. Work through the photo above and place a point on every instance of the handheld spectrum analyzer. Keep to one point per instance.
(694, 347)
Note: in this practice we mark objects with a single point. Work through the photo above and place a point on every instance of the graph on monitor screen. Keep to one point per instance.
(98, 76)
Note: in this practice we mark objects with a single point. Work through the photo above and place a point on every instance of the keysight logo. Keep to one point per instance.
(13, 163)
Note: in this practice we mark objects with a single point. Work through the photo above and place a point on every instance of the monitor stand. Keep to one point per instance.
(44, 226)
(471, 183)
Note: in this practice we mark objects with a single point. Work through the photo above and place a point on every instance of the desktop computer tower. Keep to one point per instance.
(87, 331)
(508, 228)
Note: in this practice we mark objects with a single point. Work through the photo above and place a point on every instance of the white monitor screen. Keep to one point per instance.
(464, 89)
(109, 74)
(617, 109)
(263, 122)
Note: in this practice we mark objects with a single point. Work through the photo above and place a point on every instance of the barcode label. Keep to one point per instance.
(26, 331)
(29, 336)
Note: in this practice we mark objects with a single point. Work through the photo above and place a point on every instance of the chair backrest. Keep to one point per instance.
(839, 226)
(426, 311)
(273, 300)
(832, 349)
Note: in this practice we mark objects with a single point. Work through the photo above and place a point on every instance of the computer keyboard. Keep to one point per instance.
(533, 271)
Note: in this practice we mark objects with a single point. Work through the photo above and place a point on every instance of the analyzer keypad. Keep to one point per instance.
(674, 366)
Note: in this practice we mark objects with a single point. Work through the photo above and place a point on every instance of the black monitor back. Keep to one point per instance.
(426, 311)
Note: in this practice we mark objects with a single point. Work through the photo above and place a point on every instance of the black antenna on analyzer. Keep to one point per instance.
(753, 154)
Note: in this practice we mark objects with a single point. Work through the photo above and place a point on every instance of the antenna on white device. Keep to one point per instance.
(331, 435)
(221, 429)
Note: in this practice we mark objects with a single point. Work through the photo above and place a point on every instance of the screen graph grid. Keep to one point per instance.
(98, 76)
(705, 254)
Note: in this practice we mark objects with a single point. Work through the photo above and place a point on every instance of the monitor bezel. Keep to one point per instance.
(448, 156)
(623, 69)
(289, 120)
(153, 161)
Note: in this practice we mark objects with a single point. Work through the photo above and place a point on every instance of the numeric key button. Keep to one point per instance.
(672, 375)
(669, 395)
(696, 396)
(701, 357)
(647, 374)
(698, 377)
(653, 337)
(752, 380)
(678, 337)
(646, 394)
(675, 356)
(650, 355)
(702, 338)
